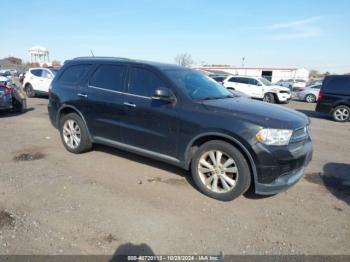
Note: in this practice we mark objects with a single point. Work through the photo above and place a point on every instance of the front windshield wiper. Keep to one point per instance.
(216, 97)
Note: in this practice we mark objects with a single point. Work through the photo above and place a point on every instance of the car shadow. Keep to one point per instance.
(314, 114)
(10, 113)
(136, 251)
(335, 178)
(146, 161)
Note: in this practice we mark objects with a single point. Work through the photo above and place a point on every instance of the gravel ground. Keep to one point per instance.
(108, 201)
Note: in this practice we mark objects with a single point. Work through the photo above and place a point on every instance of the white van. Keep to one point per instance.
(259, 88)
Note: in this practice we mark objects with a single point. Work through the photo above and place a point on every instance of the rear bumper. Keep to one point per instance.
(286, 171)
(52, 115)
(5, 102)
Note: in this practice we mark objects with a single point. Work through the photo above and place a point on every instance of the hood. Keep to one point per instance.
(258, 112)
(276, 88)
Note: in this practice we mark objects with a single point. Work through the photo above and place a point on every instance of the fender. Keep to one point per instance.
(76, 110)
(234, 140)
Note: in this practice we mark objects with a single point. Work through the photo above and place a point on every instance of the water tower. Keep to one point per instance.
(39, 54)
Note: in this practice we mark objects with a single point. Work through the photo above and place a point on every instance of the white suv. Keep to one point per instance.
(37, 81)
(258, 87)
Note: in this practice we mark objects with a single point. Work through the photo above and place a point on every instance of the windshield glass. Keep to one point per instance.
(264, 81)
(197, 85)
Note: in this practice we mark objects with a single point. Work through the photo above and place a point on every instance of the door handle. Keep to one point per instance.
(82, 95)
(129, 104)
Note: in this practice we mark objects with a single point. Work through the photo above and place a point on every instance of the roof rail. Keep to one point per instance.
(101, 57)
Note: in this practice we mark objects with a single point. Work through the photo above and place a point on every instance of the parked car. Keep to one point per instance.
(334, 97)
(180, 116)
(37, 81)
(6, 73)
(309, 94)
(294, 84)
(11, 96)
(314, 82)
(259, 88)
(219, 78)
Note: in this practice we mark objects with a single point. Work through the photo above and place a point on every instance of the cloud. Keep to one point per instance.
(299, 29)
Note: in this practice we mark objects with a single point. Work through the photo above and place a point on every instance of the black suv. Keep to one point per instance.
(334, 97)
(180, 116)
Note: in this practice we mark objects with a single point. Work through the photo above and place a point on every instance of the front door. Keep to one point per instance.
(149, 124)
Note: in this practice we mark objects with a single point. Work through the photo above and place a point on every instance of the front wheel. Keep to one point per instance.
(269, 98)
(220, 171)
(341, 113)
(74, 134)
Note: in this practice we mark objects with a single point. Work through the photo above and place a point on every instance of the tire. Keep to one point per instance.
(341, 113)
(238, 182)
(269, 98)
(310, 98)
(74, 134)
(19, 107)
(29, 91)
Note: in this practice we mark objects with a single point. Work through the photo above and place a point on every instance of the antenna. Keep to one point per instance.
(92, 53)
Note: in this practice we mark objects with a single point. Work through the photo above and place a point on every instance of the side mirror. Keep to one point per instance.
(164, 94)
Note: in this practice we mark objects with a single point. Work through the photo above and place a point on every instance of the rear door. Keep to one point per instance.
(149, 124)
(336, 90)
(102, 101)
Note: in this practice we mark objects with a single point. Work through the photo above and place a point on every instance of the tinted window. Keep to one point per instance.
(109, 77)
(73, 73)
(37, 72)
(253, 81)
(234, 80)
(219, 78)
(338, 85)
(245, 80)
(144, 82)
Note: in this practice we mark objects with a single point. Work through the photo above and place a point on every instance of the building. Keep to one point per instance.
(272, 74)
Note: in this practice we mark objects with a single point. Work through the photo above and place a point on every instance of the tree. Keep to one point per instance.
(14, 60)
(184, 59)
(56, 63)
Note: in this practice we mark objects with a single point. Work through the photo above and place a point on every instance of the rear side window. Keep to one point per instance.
(338, 85)
(253, 81)
(37, 72)
(73, 73)
(144, 82)
(234, 80)
(245, 81)
(109, 77)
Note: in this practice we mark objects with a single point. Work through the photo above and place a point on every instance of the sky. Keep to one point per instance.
(270, 33)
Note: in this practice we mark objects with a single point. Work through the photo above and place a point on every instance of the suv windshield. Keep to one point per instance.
(264, 81)
(197, 85)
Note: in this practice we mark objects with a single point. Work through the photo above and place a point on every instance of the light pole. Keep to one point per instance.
(243, 61)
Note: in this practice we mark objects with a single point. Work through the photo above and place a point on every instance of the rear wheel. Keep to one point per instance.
(220, 171)
(74, 134)
(341, 113)
(269, 98)
(29, 90)
(310, 98)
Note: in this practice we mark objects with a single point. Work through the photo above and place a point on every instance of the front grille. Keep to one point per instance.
(300, 134)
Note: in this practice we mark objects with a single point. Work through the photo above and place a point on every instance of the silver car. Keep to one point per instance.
(308, 94)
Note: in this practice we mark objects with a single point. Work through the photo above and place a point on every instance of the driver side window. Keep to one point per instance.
(144, 82)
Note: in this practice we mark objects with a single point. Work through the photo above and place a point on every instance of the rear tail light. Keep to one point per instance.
(320, 95)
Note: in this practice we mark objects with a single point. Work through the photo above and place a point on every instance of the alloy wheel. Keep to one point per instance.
(218, 171)
(71, 134)
(341, 114)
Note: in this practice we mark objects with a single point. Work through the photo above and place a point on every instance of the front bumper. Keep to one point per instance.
(282, 168)
(5, 101)
(284, 97)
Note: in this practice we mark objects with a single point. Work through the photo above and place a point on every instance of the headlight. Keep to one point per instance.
(274, 137)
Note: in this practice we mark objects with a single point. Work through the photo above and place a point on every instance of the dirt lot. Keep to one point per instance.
(107, 201)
